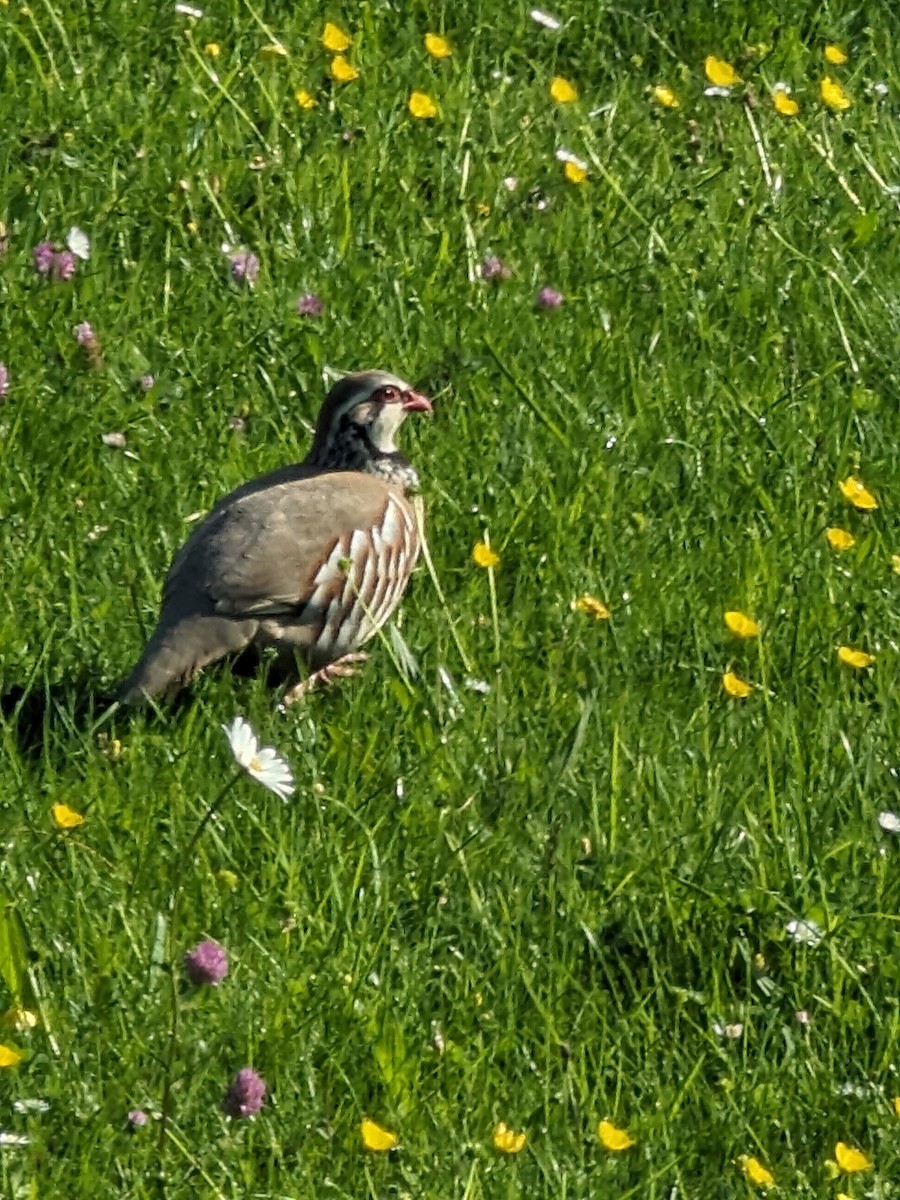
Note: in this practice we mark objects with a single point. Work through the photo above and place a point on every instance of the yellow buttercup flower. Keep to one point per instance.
(741, 625)
(212, 49)
(305, 99)
(756, 1172)
(784, 104)
(484, 556)
(9, 1057)
(592, 606)
(574, 173)
(719, 72)
(507, 1140)
(376, 1137)
(840, 539)
(613, 1138)
(834, 55)
(895, 563)
(857, 493)
(834, 95)
(562, 91)
(65, 817)
(422, 106)
(343, 71)
(437, 46)
(736, 687)
(851, 1160)
(334, 39)
(897, 1105)
(858, 659)
(664, 95)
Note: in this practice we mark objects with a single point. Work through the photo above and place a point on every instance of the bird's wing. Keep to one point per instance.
(280, 545)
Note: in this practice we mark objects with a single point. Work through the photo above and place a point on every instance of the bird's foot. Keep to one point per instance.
(341, 668)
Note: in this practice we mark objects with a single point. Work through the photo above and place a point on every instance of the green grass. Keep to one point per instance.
(591, 866)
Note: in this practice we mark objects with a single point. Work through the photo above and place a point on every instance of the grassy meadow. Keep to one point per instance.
(542, 866)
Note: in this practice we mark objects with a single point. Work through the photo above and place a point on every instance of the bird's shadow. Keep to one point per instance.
(42, 714)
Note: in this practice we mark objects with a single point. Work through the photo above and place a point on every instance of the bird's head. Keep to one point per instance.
(357, 426)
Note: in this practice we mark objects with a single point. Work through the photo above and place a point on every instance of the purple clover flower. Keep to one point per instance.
(84, 334)
(146, 382)
(549, 297)
(310, 305)
(494, 269)
(64, 265)
(137, 1118)
(43, 255)
(206, 963)
(244, 267)
(246, 1095)
(4, 381)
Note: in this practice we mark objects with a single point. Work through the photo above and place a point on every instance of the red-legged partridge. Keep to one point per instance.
(310, 560)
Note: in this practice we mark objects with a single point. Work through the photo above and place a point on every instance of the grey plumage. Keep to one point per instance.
(310, 559)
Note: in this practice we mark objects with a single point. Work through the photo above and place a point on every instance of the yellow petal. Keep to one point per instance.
(212, 49)
(437, 46)
(592, 606)
(895, 563)
(375, 1137)
(843, 1196)
(835, 55)
(784, 104)
(273, 50)
(574, 173)
(343, 71)
(840, 539)
(756, 1172)
(719, 72)
(507, 1140)
(834, 95)
(664, 94)
(65, 817)
(736, 687)
(562, 91)
(422, 106)
(858, 659)
(897, 1105)
(484, 556)
(614, 1138)
(305, 99)
(334, 39)
(857, 493)
(741, 625)
(850, 1159)
(19, 1018)
(9, 1057)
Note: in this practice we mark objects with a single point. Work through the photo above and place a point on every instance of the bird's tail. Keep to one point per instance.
(176, 652)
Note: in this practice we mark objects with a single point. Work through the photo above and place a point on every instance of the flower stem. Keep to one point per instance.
(184, 862)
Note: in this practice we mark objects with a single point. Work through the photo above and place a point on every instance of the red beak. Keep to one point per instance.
(416, 402)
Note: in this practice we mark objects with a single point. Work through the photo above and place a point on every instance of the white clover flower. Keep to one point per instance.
(804, 932)
(262, 763)
(889, 822)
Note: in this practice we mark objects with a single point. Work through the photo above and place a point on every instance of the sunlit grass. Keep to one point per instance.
(587, 852)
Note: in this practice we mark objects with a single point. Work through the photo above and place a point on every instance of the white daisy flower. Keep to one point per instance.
(804, 932)
(889, 822)
(262, 763)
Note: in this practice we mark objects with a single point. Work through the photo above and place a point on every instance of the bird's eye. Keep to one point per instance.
(388, 394)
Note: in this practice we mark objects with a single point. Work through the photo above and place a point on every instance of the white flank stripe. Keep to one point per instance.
(390, 522)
